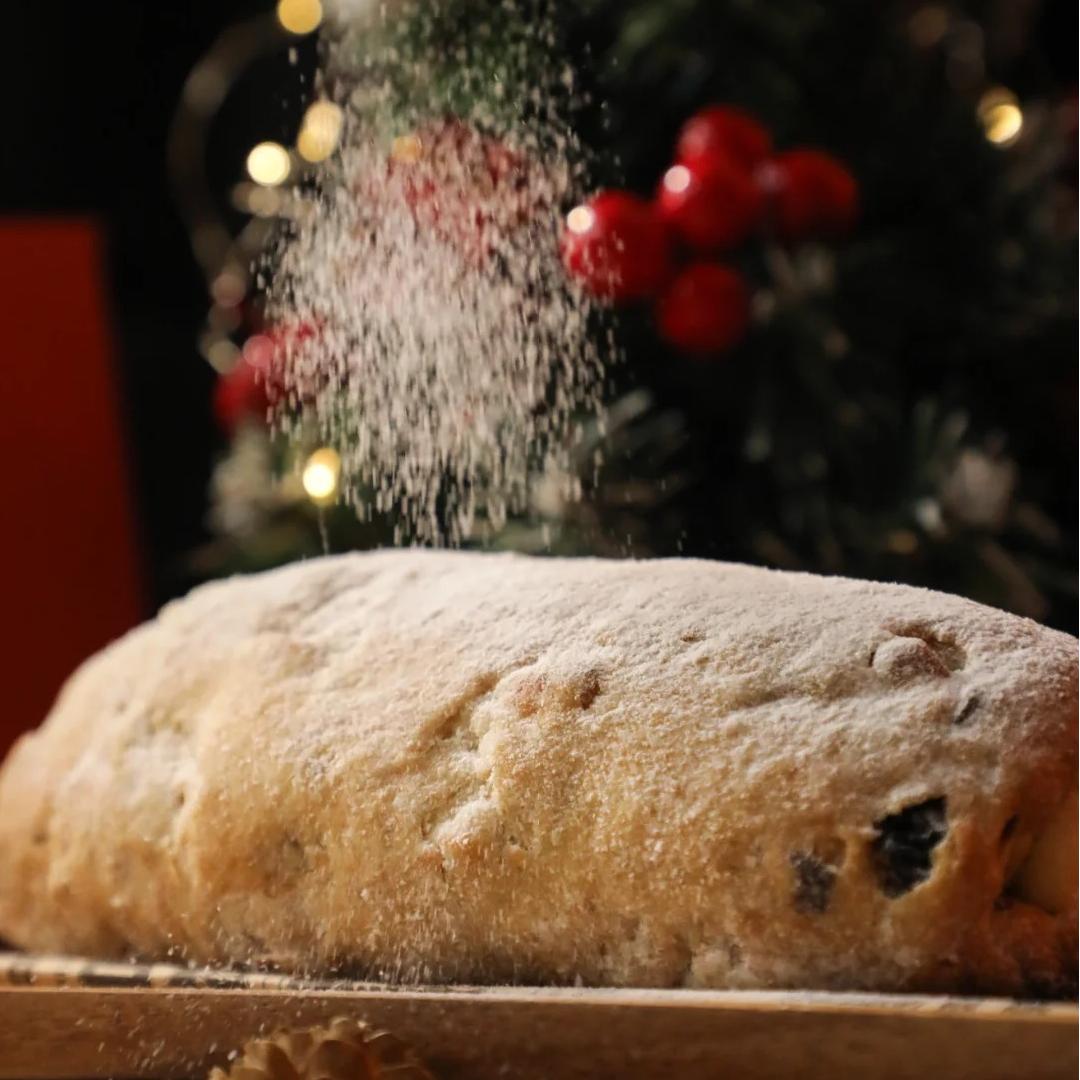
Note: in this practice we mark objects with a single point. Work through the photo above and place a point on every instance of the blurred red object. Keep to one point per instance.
(710, 202)
(706, 309)
(617, 246)
(810, 193)
(724, 129)
(69, 571)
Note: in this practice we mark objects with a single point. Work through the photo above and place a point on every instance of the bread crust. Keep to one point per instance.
(463, 767)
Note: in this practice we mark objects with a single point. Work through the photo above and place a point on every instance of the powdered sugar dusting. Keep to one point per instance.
(446, 356)
(448, 766)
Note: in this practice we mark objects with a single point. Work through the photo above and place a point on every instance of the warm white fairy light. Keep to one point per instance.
(677, 179)
(300, 16)
(407, 149)
(269, 164)
(929, 25)
(263, 201)
(222, 354)
(320, 131)
(581, 219)
(229, 287)
(1003, 124)
(320, 476)
(1001, 116)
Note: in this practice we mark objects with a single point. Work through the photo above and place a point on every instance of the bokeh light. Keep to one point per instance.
(1001, 117)
(260, 351)
(300, 16)
(320, 476)
(677, 179)
(581, 219)
(320, 131)
(407, 149)
(269, 164)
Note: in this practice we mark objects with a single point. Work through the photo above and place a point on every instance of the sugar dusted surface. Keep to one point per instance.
(460, 767)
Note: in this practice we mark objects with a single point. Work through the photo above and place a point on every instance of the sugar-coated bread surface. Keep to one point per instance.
(475, 768)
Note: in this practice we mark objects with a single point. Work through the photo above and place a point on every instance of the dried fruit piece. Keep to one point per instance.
(814, 880)
(902, 852)
(967, 709)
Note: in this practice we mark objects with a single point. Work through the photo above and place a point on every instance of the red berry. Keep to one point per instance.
(270, 350)
(617, 247)
(240, 394)
(257, 380)
(705, 310)
(809, 193)
(710, 202)
(724, 130)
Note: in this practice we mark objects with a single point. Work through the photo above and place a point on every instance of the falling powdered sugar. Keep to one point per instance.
(442, 351)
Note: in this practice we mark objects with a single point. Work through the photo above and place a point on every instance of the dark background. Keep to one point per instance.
(89, 92)
(88, 95)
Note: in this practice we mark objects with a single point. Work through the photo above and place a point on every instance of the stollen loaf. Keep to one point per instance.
(457, 767)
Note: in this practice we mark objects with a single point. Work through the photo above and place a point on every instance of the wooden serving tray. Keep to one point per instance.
(60, 1019)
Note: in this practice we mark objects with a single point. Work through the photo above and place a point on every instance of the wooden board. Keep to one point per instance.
(59, 1032)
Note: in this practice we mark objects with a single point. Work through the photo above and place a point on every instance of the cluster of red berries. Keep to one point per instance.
(727, 185)
(250, 389)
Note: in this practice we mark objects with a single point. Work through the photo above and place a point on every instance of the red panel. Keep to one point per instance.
(69, 574)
